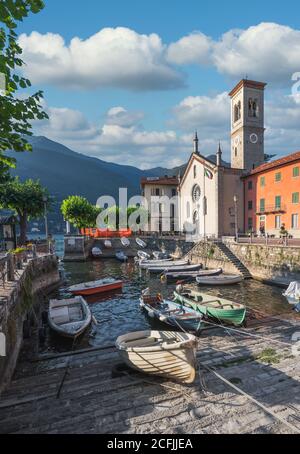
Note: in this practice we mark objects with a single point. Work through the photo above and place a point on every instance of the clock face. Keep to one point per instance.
(253, 138)
(196, 193)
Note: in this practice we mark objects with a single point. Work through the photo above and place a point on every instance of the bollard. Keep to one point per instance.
(34, 255)
(10, 268)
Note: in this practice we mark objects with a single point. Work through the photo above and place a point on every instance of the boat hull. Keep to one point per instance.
(175, 268)
(174, 275)
(219, 280)
(176, 363)
(100, 289)
(71, 329)
(234, 315)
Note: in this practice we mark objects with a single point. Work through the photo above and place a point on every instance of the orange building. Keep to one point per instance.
(272, 197)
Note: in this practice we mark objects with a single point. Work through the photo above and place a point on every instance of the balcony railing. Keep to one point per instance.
(271, 209)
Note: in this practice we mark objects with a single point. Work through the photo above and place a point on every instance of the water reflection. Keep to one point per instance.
(119, 312)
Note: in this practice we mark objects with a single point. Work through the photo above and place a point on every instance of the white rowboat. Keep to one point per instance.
(141, 243)
(165, 353)
(69, 317)
(226, 279)
(161, 263)
(125, 241)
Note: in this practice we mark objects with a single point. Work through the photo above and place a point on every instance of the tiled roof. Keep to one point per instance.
(172, 181)
(278, 163)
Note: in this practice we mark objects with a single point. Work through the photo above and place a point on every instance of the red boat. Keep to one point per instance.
(94, 287)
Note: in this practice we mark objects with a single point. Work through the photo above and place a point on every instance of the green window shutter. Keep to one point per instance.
(278, 176)
(296, 172)
(295, 197)
(278, 201)
(262, 204)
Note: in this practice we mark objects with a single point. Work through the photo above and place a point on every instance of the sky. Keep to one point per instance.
(130, 81)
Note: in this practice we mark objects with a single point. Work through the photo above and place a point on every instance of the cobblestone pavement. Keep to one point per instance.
(99, 395)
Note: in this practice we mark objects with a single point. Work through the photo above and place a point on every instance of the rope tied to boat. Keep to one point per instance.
(252, 399)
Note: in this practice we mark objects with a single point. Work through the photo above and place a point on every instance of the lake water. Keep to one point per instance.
(119, 312)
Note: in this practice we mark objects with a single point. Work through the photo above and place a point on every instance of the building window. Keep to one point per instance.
(277, 221)
(262, 181)
(195, 171)
(250, 205)
(250, 223)
(174, 192)
(250, 185)
(235, 152)
(295, 197)
(253, 110)
(278, 202)
(278, 177)
(295, 221)
(237, 111)
(157, 192)
(262, 205)
(188, 210)
(296, 171)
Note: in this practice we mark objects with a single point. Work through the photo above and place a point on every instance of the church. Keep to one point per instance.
(211, 195)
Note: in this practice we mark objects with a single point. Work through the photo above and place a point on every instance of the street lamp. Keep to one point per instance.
(45, 200)
(235, 199)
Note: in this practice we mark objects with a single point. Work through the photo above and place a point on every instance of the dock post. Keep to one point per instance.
(10, 268)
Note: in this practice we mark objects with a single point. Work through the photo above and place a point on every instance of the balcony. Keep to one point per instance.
(272, 209)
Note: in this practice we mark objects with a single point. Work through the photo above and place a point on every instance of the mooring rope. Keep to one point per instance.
(258, 336)
(255, 401)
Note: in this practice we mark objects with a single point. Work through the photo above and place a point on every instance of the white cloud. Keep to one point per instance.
(113, 57)
(203, 111)
(267, 51)
(194, 48)
(121, 117)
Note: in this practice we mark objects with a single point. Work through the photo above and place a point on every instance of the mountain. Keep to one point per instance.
(66, 172)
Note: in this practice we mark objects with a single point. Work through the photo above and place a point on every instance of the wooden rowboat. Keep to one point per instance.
(108, 244)
(69, 317)
(215, 307)
(226, 279)
(144, 264)
(292, 293)
(141, 243)
(94, 287)
(125, 241)
(143, 255)
(189, 275)
(171, 267)
(171, 313)
(96, 252)
(121, 256)
(167, 354)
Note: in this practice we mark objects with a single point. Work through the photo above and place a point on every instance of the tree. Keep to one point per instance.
(27, 199)
(79, 212)
(16, 113)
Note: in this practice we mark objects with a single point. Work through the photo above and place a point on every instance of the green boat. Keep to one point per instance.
(212, 306)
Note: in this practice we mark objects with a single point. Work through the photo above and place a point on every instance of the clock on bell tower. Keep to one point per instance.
(247, 124)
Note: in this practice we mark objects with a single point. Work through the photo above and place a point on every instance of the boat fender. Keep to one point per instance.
(162, 318)
(163, 278)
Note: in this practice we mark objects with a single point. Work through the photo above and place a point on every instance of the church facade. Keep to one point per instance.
(211, 195)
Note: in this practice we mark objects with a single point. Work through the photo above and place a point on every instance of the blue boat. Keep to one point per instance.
(171, 313)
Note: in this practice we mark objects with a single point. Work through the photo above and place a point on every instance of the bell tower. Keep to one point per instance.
(247, 124)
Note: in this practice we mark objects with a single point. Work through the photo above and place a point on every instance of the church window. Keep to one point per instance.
(235, 152)
(195, 171)
(237, 111)
(253, 110)
(188, 210)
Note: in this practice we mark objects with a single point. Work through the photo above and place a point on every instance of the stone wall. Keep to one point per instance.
(211, 257)
(279, 264)
(16, 300)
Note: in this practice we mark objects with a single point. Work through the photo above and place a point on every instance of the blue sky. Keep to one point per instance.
(144, 113)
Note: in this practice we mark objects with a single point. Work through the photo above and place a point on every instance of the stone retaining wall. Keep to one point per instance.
(16, 300)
